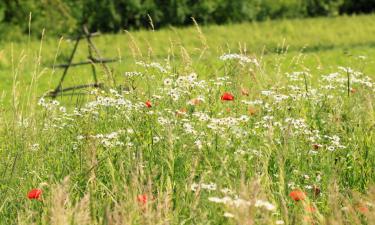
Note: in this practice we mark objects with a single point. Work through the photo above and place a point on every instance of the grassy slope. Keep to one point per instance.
(112, 178)
(325, 43)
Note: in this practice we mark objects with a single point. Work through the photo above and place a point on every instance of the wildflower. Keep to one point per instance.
(153, 65)
(155, 139)
(227, 191)
(181, 112)
(265, 204)
(199, 144)
(35, 147)
(163, 121)
(297, 195)
(80, 137)
(194, 187)
(174, 95)
(345, 209)
(228, 215)
(210, 186)
(148, 104)
(168, 82)
(227, 97)
(353, 90)
(34, 194)
(244, 91)
(142, 199)
(362, 208)
(267, 93)
(194, 101)
(189, 128)
(241, 58)
(132, 74)
(192, 77)
(224, 200)
(310, 208)
(243, 118)
(252, 111)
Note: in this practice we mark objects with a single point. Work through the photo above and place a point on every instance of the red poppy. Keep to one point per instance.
(297, 195)
(142, 199)
(34, 193)
(362, 208)
(227, 97)
(148, 104)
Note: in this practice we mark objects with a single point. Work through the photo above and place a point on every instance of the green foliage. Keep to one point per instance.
(350, 6)
(52, 15)
(323, 7)
(66, 16)
(13, 33)
(284, 9)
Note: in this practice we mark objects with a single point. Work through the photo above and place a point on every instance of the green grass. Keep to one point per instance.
(301, 136)
(324, 42)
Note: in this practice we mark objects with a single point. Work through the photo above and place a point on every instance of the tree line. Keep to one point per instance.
(66, 16)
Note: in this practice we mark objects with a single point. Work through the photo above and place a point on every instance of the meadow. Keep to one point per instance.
(253, 123)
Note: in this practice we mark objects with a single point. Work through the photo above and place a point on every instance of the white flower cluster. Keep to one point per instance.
(255, 102)
(232, 200)
(108, 140)
(133, 74)
(182, 86)
(339, 80)
(51, 105)
(242, 58)
(334, 143)
(238, 202)
(154, 65)
(226, 200)
(210, 186)
(298, 76)
(102, 101)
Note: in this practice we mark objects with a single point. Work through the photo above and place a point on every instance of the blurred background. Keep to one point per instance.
(65, 16)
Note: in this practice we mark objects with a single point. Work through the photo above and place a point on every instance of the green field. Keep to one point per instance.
(320, 43)
(302, 119)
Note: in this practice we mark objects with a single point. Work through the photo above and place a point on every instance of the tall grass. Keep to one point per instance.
(174, 147)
